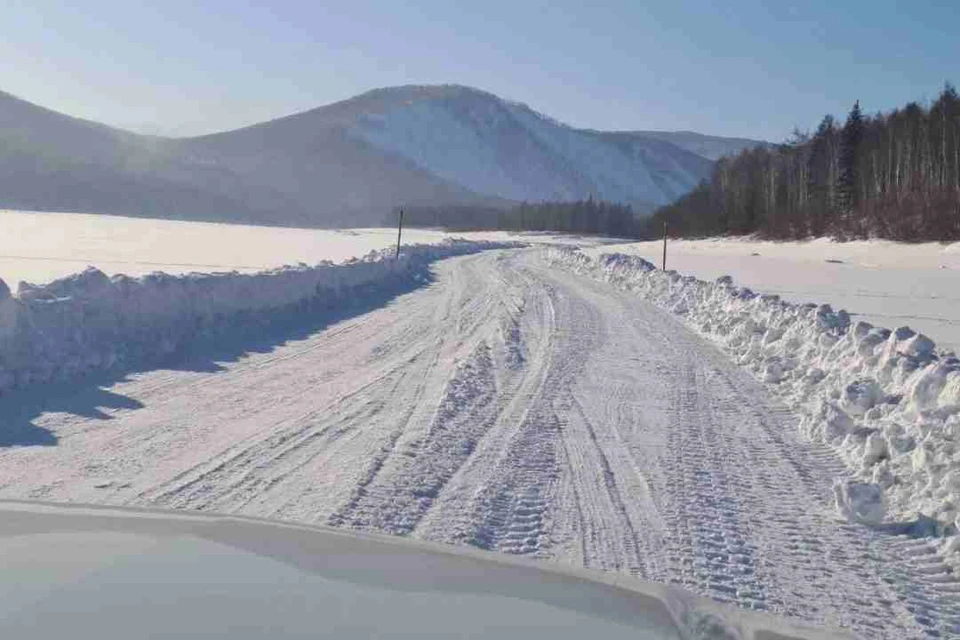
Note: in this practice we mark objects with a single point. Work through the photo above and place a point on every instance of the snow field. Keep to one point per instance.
(89, 322)
(888, 402)
(38, 247)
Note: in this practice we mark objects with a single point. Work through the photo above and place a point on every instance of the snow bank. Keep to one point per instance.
(89, 322)
(887, 401)
(885, 283)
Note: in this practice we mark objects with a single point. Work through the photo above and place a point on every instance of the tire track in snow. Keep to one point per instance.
(712, 553)
(396, 499)
(613, 525)
(482, 499)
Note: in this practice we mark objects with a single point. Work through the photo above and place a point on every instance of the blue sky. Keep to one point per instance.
(732, 67)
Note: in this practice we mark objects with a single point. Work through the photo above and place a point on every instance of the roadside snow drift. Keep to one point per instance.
(887, 401)
(90, 322)
(886, 283)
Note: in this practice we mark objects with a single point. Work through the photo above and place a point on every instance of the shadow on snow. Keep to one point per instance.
(233, 339)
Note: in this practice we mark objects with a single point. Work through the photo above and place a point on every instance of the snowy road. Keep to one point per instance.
(511, 406)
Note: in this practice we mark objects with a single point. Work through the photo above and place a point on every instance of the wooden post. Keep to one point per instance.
(663, 265)
(399, 233)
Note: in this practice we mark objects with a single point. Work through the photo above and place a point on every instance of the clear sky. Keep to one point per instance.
(726, 67)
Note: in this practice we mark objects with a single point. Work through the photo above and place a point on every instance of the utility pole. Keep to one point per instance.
(399, 233)
(663, 264)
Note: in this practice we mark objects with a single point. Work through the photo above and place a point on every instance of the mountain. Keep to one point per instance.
(272, 173)
(346, 163)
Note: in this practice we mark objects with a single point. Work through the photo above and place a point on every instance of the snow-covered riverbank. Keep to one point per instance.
(888, 284)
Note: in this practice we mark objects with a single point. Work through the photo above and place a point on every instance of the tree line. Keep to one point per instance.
(592, 217)
(893, 175)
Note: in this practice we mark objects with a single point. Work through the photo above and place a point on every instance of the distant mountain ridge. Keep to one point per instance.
(710, 147)
(346, 163)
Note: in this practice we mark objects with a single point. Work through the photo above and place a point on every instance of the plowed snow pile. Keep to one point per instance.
(887, 401)
(90, 322)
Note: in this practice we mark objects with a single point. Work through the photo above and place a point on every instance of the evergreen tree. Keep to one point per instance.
(821, 177)
(848, 192)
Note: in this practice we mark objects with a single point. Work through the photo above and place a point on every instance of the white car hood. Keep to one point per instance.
(94, 572)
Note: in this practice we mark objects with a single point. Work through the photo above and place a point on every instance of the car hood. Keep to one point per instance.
(125, 573)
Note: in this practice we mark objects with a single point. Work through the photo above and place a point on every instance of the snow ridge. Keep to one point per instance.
(90, 322)
(888, 402)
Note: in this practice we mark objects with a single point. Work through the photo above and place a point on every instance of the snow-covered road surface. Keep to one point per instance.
(512, 406)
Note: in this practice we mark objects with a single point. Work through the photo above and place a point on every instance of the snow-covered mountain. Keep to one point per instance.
(493, 146)
(346, 163)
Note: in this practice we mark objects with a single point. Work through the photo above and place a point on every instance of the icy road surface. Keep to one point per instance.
(509, 406)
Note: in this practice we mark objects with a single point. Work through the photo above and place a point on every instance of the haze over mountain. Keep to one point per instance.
(346, 163)
(710, 147)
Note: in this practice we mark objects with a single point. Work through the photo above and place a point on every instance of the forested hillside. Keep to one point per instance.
(583, 216)
(893, 175)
